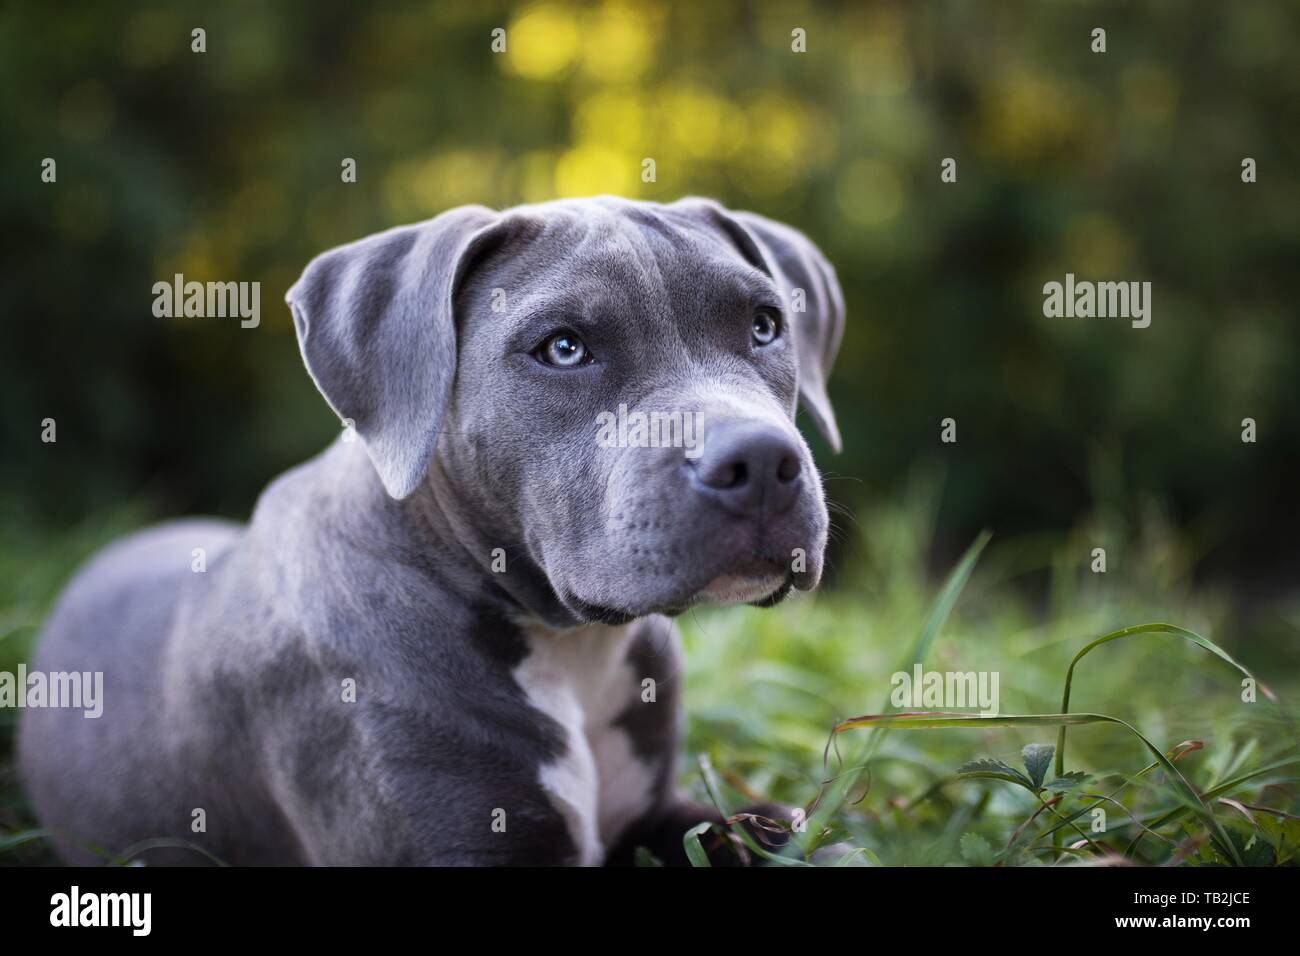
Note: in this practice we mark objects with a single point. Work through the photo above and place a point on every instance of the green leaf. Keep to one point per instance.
(975, 850)
(987, 765)
(1282, 833)
(1252, 848)
(952, 589)
(694, 849)
(994, 769)
(1067, 781)
(853, 857)
(1036, 758)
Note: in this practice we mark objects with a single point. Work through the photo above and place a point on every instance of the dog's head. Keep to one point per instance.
(606, 388)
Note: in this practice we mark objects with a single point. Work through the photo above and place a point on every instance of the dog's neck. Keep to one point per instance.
(431, 539)
(476, 557)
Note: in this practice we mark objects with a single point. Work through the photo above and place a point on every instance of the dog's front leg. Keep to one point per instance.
(386, 786)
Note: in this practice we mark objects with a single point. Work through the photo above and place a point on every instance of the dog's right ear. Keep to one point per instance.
(377, 333)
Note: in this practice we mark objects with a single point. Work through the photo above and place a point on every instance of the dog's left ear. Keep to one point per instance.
(377, 333)
(814, 308)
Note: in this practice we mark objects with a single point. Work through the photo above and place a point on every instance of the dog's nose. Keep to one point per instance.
(748, 467)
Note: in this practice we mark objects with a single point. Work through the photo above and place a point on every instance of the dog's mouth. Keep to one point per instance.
(615, 617)
(757, 581)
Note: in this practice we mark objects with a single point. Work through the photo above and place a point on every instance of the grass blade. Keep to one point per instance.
(13, 840)
(1133, 631)
(694, 849)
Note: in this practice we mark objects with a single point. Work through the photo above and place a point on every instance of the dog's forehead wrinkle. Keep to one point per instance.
(606, 269)
(631, 258)
(640, 227)
(664, 251)
(627, 264)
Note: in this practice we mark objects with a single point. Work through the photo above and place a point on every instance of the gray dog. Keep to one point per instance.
(447, 642)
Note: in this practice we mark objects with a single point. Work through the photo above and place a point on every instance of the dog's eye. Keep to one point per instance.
(767, 327)
(564, 350)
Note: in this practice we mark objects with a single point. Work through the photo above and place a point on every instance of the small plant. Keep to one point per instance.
(975, 850)
(1037, 758)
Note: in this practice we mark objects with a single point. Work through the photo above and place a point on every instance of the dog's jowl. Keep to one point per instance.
(447, 639)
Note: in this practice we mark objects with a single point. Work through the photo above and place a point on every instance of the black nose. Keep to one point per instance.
(748, 467)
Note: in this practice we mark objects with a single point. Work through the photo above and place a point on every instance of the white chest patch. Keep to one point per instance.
(580, 680)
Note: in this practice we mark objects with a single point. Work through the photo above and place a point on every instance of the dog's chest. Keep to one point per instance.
(581, 679)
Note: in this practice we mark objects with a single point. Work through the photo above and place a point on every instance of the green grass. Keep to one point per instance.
(1162, 749)
(791, 703)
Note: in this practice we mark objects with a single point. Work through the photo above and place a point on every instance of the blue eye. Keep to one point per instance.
(767, 326)
(564, 350)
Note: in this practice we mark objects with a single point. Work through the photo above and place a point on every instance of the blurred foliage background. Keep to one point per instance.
(1073, 433)
(1123, 165)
